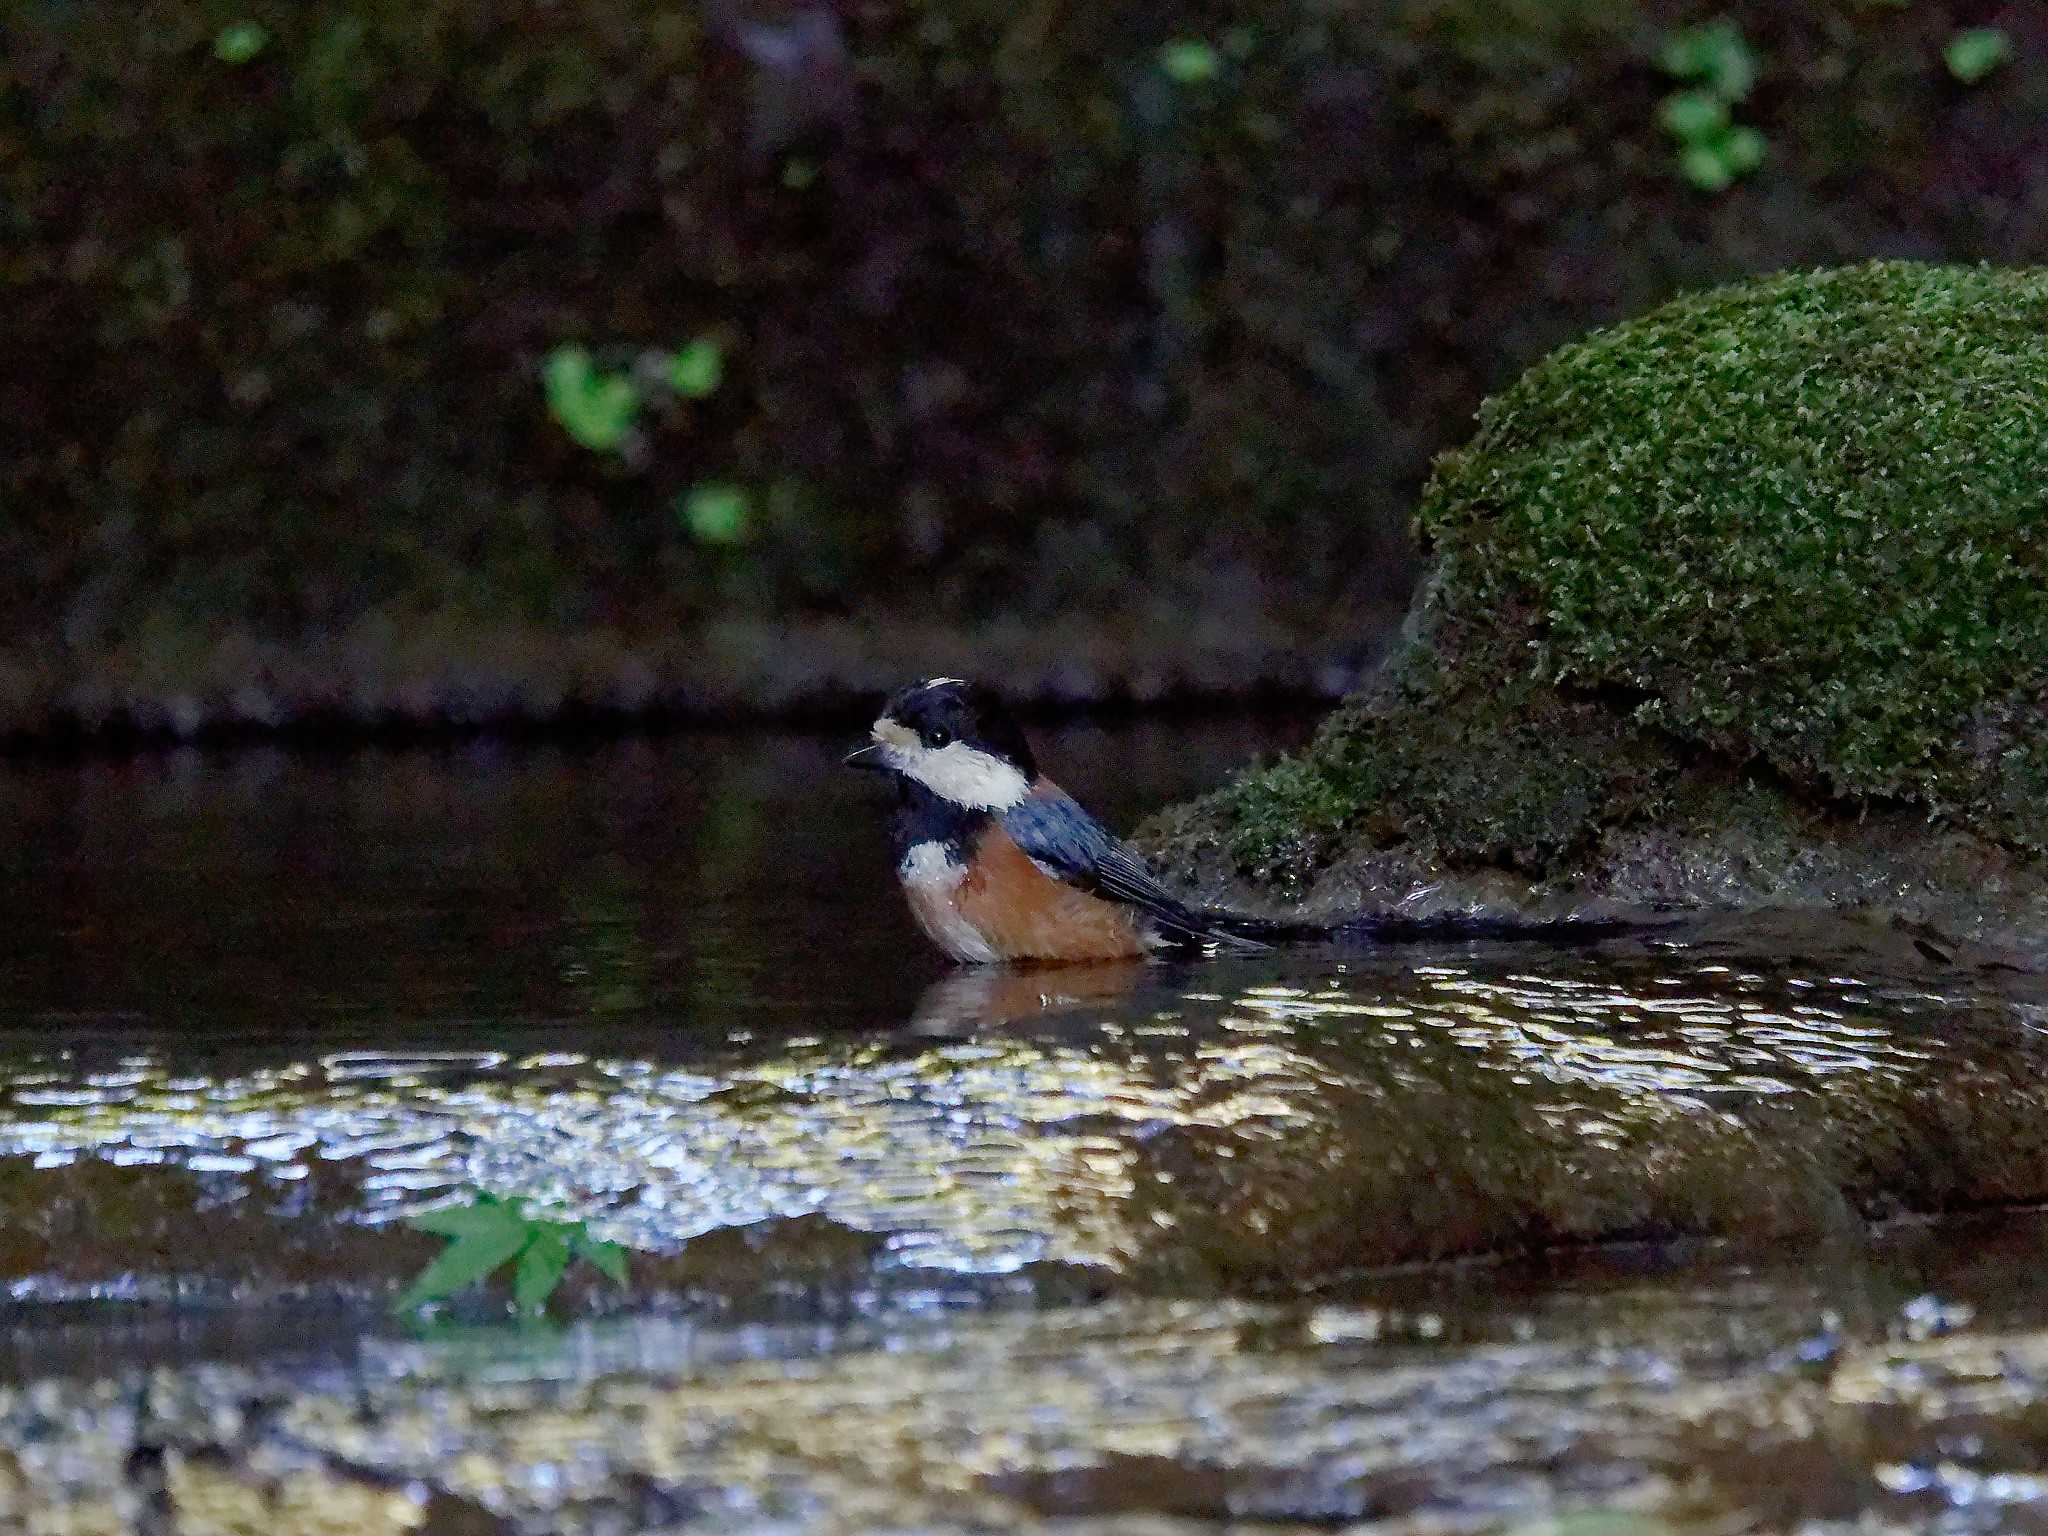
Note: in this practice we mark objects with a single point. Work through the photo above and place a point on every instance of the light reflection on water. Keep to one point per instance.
(1714, 1411)
(987, 1138)
(263, 1000)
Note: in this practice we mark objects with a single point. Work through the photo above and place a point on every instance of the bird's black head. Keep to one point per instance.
(945, 710)
(956, 740)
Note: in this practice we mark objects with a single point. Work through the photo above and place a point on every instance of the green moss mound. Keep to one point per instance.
(1805, 519)
(1793, 532)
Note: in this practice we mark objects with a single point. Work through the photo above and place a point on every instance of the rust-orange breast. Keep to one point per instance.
(1025, 914)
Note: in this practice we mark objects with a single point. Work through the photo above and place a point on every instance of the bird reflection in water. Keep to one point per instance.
(964, 1002)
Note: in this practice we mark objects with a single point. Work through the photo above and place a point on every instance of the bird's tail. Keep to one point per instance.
(1236, 930)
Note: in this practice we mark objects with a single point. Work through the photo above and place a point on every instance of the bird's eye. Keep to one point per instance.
(939, 737)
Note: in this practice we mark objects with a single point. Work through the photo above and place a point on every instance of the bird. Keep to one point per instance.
(1002, 865)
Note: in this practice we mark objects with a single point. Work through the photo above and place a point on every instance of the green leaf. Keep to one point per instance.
(1683, 56)
(695, 371)
(541, 1264)
(463, 1263)
(1716, 54)
(459, 1222)
(1190, 61)
(1692, 116)
(716, 514)
(241, 41)
(567, 373)
(1976, 52)
(1707, 168)
(1743, 150)
(596, 409)
(607, 1258)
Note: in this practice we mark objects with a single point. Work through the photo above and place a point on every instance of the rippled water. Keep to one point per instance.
(984, 1135)
(257, 1009)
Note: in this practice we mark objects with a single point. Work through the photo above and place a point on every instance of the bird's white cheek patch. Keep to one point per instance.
(968, 776)
(931, 877)
(964, 775)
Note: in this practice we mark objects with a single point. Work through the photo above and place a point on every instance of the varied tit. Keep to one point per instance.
(999, 863)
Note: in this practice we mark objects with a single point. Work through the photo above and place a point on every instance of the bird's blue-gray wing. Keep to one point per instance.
(1069, 844)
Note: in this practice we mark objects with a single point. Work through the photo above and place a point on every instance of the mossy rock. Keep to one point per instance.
(1805, 519)
(1791, 534)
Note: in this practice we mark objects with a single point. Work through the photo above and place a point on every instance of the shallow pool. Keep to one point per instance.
(1434, 1239)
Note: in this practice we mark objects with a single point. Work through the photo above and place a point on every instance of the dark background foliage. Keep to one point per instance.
(1020, 318)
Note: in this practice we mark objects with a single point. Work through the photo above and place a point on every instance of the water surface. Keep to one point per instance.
(1452, 1236)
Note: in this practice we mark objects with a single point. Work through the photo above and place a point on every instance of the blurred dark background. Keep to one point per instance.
(505, 354)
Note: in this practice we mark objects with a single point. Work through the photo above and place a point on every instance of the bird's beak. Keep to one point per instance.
(869, 757)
